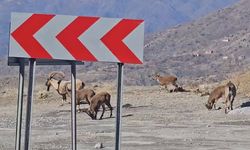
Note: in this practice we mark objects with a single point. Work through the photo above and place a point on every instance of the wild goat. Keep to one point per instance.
(55, 80)
(82, 94)
(96, 101)
(168, 82)
(228, 90)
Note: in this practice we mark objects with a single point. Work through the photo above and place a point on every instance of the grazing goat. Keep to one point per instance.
(228, 90)
(168, 82)
(82, 94)
(55, 80)
(96, 101)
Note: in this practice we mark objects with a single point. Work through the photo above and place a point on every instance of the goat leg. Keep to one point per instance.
(63, 99)
(232, 104)
(62, 103)
(214, 106)
(103, 110)
(226, 107)
(78, 108)
(110, 107)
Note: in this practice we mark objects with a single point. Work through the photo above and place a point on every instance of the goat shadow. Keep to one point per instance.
(139, 106)
(124, 116)
(128, 106)
(245, 104)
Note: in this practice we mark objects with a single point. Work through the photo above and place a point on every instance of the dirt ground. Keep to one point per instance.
(154, 121)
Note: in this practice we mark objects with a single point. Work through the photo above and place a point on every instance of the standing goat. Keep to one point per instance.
(55, 80)
(96, 101)
(228, 90)
(168, 82)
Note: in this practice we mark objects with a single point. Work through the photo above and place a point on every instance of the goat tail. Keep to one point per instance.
(108, 97)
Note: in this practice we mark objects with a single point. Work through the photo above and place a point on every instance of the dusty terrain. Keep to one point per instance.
(154, 121)
(211, 48)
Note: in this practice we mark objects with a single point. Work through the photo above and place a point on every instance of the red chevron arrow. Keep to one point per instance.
(113, 40)
(24, 35)
(69, 38)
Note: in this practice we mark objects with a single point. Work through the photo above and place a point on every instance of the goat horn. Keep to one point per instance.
(61, 74)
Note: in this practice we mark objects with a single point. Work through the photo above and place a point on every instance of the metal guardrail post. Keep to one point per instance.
(29, 104)
(19, 105)
(73, 106)
(119, 107)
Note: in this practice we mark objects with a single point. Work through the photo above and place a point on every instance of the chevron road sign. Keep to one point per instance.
(78, 38)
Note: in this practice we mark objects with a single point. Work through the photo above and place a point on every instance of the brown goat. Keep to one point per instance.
(98, 100)
(228, 91)
(168, 82)
(82, 94)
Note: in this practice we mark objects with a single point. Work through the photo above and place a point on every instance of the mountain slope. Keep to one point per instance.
(207, 49)
(158, 14)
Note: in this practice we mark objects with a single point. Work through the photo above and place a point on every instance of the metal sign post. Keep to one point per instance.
(73, 106)
(29, 103)
(19, 105)
(119, 106)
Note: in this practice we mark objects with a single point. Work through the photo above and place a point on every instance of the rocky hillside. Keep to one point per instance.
(209, 49)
